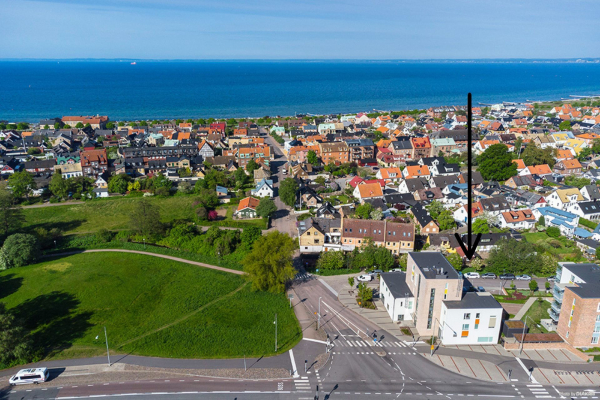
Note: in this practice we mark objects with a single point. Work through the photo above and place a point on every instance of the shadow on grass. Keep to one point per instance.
(63, 226)
(9, 284)
(54, 321)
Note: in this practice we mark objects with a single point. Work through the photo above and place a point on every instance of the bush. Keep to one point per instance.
(553, 231)
(18, 250)
(587, 223)
(533, 285)
(103, 236)
(122, 236)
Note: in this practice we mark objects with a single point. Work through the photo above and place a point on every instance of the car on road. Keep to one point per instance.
(30, 375)
(364, 278)
(488, 275)
(472, 275)
(523, 278)
(376, 271)
(507, 276)
(480, 289)
(551, 279)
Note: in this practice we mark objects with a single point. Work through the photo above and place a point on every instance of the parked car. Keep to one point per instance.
(551, 279)
(480, 289)
(364, 278)
(30, 375)
(396, 270)
(488, 275)
(523, 278)
(472, 275)
(376, 271)
(507, 276)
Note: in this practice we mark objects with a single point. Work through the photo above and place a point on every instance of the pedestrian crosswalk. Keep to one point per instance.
(302, 384)
(369, 347)
(367, 343)
(406, 353)
(539, 392)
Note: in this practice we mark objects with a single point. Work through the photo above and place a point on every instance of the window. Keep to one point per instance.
(492, 323)
(567, 334)
(594, 339)
(597, 329)
(465, 330)
(307, 233)
(467, 316)
(476, 315)
(597, 318)
(598, 309)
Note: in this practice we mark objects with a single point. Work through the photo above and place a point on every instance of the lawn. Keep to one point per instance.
(113, 214)
(149, 306)
(537, 311)
(556, 247)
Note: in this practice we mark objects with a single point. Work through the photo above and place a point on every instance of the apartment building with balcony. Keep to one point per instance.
(576, 304)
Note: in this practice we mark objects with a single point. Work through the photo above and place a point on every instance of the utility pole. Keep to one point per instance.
(275, 333)
(106, 340)
(319, 316)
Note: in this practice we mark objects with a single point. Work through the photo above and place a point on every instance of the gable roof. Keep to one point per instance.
(368, 190)
(248, 202)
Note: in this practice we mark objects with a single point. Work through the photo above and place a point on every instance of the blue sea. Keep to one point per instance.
(31, 90)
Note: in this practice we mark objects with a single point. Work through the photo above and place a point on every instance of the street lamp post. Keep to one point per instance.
(106, 340)
(275, 333)
(144, 239)
(523, 334)
(319, 316)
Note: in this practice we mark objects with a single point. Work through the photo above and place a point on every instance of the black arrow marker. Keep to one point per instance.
(469, 250)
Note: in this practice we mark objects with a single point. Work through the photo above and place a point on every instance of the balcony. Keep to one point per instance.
(558, 293)
(556, 307)
(554, 315)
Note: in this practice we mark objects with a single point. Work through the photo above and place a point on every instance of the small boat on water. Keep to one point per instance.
(133, 63)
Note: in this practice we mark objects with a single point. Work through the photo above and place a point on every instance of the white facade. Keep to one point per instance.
(400, 306)
(473, 325)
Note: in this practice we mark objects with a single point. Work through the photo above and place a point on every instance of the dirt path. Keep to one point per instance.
(183, 260)
(66, 203)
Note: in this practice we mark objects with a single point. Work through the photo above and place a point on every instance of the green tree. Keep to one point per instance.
(59, 186)
(57, 125)
(331, 260)
(312, 158)
(266, 207)
(496, 163)
(513, 256)
(383, 258)
(320, 180)
(251, 166)
(287, 191)
(533, 155)
(21, 183)
(79, 125)
(145, 219)
(565, 126)
(269, 265)
(18, 250)
(596, 146)
(364, 211)
(119, 183)
(199, 185)
(22, 126)
(480, 225)
(445, 220)
(46, 127)
(208, 198)
(542, 221)
(351, 281)
(240, 177)
(553, 231)
(576, 181)
(435, 208)
(477, 264)
(11, 215)
(533, 285)
(110, 125)
(249, 236)
(455, 260)
(584, 154)
(15, 345)
(376, 214)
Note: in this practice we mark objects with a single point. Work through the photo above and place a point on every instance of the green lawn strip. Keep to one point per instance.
(66, 302)
(113, 214)
(331, 272)
(241, 325)
(537, 311)
(231, 261)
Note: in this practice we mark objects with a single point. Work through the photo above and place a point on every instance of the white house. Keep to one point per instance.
(587, 209)
(519, 219)
(475, 319)
(263, 188)
(565, 221)
(564, 199)
(396, 296)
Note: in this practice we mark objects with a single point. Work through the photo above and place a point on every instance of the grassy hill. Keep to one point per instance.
(150, 306)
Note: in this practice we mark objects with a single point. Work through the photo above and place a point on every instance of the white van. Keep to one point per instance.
(472, 275)
(31, 375)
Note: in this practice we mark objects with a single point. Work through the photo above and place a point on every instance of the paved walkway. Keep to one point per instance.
(183, 260)
(525, 307)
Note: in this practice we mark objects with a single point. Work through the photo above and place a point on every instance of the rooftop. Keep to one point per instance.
(396, 282)
(474, 300)
(434, 265)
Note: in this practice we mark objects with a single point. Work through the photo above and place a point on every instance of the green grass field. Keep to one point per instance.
(113, 214)
(149, 306)
(537, 311)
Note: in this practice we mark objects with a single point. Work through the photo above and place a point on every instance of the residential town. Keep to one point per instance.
(379, 197)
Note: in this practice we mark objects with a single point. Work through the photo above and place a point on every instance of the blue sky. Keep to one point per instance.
(299, 29)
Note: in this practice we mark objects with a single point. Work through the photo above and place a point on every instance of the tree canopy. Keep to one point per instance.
(269, 265)
(266, 207)
(312, 158)
(145, 219)
(21, 183)
(512, 256)
(496, 163)
(15, 346)
(11, 216)
(533, 155)
(287, 191)
(18, 250)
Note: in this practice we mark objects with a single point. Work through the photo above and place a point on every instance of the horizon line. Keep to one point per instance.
(123, 59)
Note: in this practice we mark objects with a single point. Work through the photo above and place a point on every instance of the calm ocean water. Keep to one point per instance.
(33, 90)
